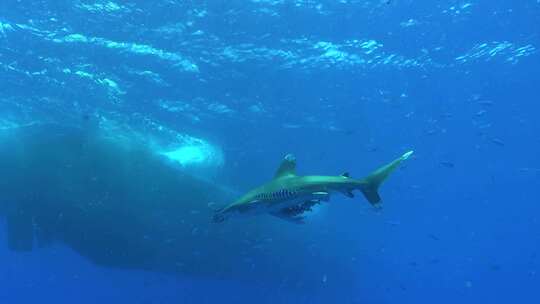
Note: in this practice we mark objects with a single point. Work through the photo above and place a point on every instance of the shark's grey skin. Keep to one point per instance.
(288, 195)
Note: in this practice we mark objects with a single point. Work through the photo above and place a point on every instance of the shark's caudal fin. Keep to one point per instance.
(370, 184)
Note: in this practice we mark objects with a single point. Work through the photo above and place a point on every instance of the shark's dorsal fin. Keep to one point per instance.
(346, 174)
(287, 167)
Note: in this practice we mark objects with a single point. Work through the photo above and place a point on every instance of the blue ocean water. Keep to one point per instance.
(222, 90)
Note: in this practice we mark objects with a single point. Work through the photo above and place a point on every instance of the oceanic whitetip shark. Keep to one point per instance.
(288, 196)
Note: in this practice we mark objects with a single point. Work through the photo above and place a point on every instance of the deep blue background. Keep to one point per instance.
(460, 222)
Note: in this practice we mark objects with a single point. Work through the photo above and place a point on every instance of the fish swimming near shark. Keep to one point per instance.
(289, 196)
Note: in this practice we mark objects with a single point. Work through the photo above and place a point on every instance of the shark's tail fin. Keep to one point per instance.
(370, 184)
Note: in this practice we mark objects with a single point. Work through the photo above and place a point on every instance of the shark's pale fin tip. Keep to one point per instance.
(287, 167)
(290, 157)
(407, 155)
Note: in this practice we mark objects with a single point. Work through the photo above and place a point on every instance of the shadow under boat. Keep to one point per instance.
(118, 203)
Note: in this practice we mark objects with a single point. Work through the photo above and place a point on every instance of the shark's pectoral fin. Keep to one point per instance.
(294, 214)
